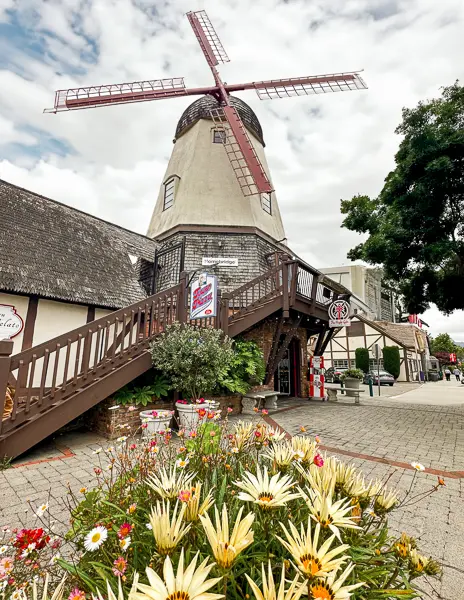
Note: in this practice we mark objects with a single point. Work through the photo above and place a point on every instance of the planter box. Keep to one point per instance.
(108, 422)
(154, 424)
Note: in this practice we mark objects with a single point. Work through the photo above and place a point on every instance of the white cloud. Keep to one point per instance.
(320, 149)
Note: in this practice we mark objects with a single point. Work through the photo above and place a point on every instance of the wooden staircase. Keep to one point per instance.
(58, 380)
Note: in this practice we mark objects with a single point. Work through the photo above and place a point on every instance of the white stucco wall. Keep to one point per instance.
(20, 303)
(208, 192)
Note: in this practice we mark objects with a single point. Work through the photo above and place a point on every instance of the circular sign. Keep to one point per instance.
(11, 323)
(339, 310)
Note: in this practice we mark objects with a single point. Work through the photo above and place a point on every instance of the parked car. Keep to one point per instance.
(385, 378)
(332, 375)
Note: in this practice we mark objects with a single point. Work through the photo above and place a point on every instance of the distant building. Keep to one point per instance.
(364, 333)
(370, 297)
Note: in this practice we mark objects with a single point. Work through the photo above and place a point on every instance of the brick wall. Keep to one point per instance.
(263, 335)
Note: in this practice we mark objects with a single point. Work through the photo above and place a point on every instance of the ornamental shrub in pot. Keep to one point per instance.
(352, 378)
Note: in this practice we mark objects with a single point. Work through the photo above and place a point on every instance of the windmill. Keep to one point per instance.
(245, 162)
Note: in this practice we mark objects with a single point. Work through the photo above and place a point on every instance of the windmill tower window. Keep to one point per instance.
(266, 203)
(169, 192)
(219, 136)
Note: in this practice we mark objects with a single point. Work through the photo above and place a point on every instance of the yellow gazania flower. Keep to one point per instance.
(356, 486)
(167, 531)
(374, 488)
(385, 501)
(281, 454)
(328, 513)
(274, 435)
(227, 547)
(265, 492)
(194, 509)
(111, 595)
(319, 478)
(242, 435)
(404, 545)
(189, 584)
(269, 591)
(311, 560)
(344, 473)
(417, 561)
(331, 588)
(306, 446)
(57, 594)
(168, 485)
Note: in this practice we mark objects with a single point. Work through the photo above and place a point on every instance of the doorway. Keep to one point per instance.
(287, 375)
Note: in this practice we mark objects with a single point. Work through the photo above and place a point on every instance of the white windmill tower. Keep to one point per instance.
(217, 192)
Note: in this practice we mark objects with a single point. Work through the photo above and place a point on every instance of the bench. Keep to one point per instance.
(333, 389)
(264, 399)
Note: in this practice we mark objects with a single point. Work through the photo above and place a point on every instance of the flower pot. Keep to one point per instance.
(351, 382)
(155, 424)
(188, 413)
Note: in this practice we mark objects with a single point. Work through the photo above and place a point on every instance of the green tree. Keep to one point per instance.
(362, 359)
(415, 227)
(192, 358)
(391, 360)
(443, 343)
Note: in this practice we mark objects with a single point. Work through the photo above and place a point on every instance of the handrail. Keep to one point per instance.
(58, 368)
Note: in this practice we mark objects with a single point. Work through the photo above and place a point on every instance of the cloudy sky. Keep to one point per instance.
(110, 161)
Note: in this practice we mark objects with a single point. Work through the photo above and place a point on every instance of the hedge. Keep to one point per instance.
(362, 359)
(391, 360)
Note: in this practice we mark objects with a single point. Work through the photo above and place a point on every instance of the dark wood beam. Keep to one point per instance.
(29, 325)
(273, 351)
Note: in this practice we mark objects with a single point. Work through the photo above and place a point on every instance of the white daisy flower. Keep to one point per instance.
(16, 595)
(97, 451)
(125, 543)
(42, 509)
(123, 438)
(3, 549)
(417, 466)
(182, 462)
(95, 538)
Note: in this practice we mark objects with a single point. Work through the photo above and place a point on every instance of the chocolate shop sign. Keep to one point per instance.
(11, 323)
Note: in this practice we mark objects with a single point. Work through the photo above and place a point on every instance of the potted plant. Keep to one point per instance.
(352, 379)
(155, 421)
(193, 359)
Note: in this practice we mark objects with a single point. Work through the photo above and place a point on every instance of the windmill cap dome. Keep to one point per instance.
(200, 110)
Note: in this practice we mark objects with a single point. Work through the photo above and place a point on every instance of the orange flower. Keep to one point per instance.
(441, 482)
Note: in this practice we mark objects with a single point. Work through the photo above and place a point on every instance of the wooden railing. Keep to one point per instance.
(55, 370)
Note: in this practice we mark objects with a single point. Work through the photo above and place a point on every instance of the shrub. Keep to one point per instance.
(391, 360)
(246, 369)
(352, 374)
(193, 359)
(362, 359)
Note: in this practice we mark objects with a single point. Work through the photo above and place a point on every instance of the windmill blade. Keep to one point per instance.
(245, 162)
(119, 93)
(207, 38)
(301, 86)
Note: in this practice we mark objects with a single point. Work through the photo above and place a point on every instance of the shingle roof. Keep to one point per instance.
(402, 333)
(55, 251)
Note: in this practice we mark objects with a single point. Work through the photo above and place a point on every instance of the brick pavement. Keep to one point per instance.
(380, 429)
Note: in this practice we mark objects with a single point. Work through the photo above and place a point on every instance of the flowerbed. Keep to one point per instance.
(235, 511)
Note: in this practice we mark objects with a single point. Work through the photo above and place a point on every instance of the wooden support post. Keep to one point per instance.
(294, 268)
(285, 291)
(314, 291)
(6, 348)
(224, 314)
(182, 308)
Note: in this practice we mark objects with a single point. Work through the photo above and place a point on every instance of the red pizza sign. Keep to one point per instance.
(203, 296)
(452, 357)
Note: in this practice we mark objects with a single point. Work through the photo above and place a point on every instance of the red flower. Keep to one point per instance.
(25, 537)
(124, 530)
(201, 412)
(318, 460)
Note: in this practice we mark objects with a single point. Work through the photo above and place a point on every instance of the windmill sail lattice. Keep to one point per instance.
(247, 167)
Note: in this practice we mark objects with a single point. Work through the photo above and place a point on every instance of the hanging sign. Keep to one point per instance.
(339, 314)
(11, 323)
(219, 261)
(316, 377)
(203, 294)
(452, 357)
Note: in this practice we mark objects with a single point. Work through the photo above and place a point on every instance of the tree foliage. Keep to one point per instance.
(391, 360)
(444, 344)
(415, 226)
(192, 358)
(362, 359)
(246, 369)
